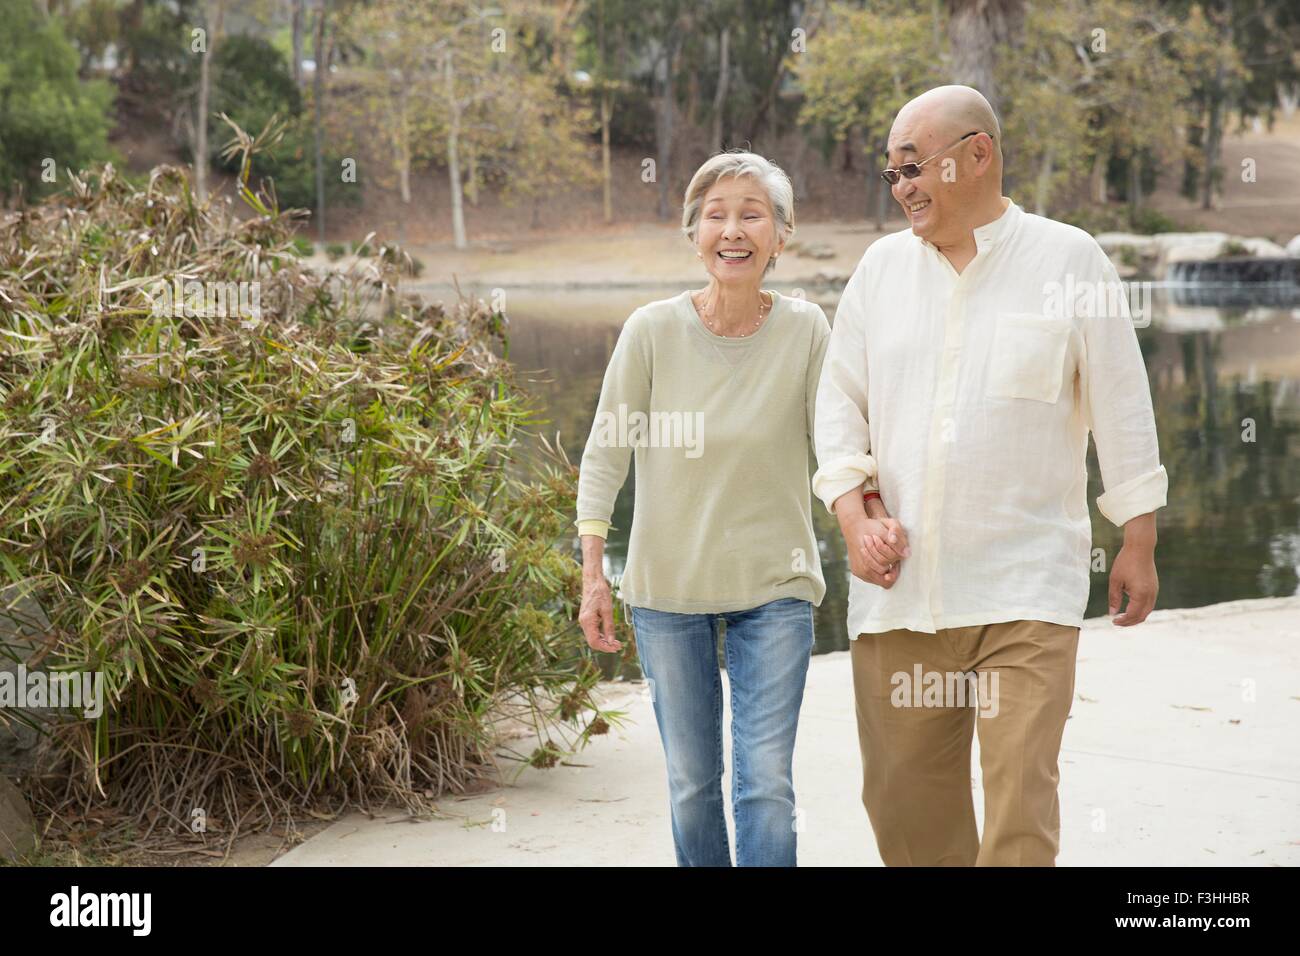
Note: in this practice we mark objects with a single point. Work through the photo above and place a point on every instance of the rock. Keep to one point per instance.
(1192, 252)
(17, 825)
(1211, 242)
(1293, 247)
(18, 741)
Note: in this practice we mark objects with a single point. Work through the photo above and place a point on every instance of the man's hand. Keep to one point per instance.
(1134, 573)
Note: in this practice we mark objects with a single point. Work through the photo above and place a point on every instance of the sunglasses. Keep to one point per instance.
(912, 170)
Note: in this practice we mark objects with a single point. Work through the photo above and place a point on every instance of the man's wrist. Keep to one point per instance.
(1140, 532)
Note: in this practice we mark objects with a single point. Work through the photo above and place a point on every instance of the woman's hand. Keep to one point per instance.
(597, 612)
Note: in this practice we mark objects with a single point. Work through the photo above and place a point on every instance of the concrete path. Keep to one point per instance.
(1182, 749)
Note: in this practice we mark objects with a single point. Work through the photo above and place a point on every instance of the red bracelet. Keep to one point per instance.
(868, 495)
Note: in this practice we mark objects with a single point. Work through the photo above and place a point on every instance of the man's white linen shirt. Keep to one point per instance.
(966, 400)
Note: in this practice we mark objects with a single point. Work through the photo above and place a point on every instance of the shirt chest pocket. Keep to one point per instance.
(1028, 357)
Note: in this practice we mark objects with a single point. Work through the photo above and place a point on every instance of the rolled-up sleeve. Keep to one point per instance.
(1118, 404)
(605, 459)
(842, 435)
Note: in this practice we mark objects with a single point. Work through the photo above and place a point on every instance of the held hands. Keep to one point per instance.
(876, 547)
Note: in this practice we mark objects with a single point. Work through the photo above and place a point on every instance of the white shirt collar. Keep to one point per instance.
(991, 232)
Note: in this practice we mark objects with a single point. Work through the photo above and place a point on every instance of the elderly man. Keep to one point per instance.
(970, 357)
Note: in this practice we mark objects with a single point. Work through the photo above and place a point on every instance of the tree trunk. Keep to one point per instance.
(1213, 140)
(666, 119)
(403, 157)
(1134, 187)
(976, 28)
(296, 18)
(1043, 187)
(1214, 135)
(1097, 180)
(606, 117)
(882, 189)
(606, 178)
(799, 168)
(471, 177)
(453, 156)
(765, 123)
(318, 94)
(213, 25)
(724, 78)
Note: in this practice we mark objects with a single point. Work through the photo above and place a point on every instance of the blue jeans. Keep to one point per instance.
(767, 650)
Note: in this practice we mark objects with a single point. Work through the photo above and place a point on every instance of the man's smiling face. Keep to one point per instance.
(928, 201)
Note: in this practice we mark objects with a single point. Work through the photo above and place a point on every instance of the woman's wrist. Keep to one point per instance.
(593, 557)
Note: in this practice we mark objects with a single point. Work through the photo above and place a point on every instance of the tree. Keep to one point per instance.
(604, 33)
(1138, 92)
(1091, 80)
(1242, 56)
(49, 117)
(860, 69)
(669, 27)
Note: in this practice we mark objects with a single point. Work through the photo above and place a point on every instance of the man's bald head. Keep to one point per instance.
(954, 136)
(952, 111)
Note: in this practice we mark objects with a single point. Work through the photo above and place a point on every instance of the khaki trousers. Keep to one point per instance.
(916, 740)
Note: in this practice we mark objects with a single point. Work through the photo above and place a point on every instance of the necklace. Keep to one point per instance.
(712, 328)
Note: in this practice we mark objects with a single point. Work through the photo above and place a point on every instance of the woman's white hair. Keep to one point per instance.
(741, 163)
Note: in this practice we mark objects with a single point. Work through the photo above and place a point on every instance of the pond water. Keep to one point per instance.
(1226, 388)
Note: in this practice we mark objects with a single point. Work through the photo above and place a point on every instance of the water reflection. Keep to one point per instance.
(1226, 385)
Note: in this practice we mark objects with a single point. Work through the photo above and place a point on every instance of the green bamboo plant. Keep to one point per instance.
(300, 547)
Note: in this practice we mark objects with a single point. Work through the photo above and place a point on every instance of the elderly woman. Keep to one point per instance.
(711, 392)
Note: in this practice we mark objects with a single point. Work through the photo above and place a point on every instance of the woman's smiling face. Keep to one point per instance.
(737, 231)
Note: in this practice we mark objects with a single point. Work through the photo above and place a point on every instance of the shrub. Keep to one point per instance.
(1096, 219)
(296, 547)
(1148, 222)
(335, 251)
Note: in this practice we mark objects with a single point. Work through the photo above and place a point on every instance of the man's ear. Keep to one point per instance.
(982, 152)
